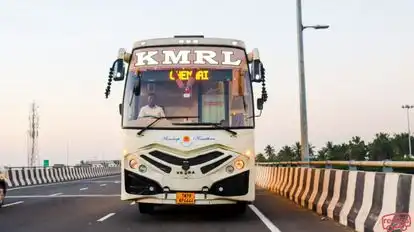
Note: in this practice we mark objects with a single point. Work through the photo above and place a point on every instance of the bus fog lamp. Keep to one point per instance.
(220, 189)
(142, 168)
(151, 188)
(229, 169)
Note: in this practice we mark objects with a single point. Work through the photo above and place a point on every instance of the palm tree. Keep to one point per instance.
(270, 153)
(297, 149)
(322, 154)
(400, 146)
(260, 158)
(286, 154)
(333, 151)
(357, 150)
(381, 147)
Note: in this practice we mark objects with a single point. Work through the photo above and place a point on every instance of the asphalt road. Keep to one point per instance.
(94, 205)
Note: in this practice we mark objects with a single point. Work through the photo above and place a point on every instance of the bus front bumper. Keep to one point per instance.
(225, 191)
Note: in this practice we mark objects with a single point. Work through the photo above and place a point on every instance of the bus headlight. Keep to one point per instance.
(133, 163)
(239, 164)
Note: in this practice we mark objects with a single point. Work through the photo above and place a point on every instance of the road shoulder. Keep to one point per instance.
(288, 216)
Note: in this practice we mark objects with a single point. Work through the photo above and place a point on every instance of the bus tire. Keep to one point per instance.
(146, 208)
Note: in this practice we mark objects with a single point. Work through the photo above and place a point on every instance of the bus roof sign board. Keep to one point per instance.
(189, 56)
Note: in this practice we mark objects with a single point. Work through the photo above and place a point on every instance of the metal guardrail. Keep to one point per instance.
(104, 163)
(55, 167)
(386, 165)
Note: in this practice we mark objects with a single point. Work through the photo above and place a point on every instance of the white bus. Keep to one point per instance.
(188, 121)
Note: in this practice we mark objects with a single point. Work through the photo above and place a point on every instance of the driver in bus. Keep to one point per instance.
(151, 109)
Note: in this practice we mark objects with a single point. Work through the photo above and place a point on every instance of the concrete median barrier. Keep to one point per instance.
(363, 201)
(38, 175)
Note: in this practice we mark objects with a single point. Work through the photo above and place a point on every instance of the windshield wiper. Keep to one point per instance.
(217, 125)
(159, 118)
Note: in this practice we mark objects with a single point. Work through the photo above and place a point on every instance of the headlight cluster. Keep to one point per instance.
(237, 164)
(134, 164)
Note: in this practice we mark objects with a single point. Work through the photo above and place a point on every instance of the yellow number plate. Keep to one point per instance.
(185, 198)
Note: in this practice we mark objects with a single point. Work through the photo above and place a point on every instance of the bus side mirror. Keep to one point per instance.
(119, 70)
(256, 71)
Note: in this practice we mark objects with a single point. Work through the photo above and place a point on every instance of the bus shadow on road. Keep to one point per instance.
(198, 213)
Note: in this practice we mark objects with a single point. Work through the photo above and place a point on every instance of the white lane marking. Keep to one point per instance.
(69, 182)
(105, 181)
(55, 194)
(264, 219)
(83, 189)
(14, 203)
(106, 217)
(103, 185)
(133, 203)
(117, 182)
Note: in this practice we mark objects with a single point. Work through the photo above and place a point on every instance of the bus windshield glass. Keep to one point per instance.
(188, 85)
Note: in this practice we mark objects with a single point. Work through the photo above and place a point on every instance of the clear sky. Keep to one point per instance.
(359, 72)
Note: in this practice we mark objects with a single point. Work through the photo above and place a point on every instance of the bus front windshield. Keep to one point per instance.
(196, 95)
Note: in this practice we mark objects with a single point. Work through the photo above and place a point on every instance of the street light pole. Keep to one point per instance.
(408, 107)
(302, 85)
(67, 153)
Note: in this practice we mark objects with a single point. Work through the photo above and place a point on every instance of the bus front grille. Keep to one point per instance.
(200, 159)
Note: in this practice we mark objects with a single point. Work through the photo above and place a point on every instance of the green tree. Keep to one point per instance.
(357, 149)
(286, 154)
(333, 151)
(270, 153)
(260, 158)
(381, 147)
(297, 149)
(400, 146)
